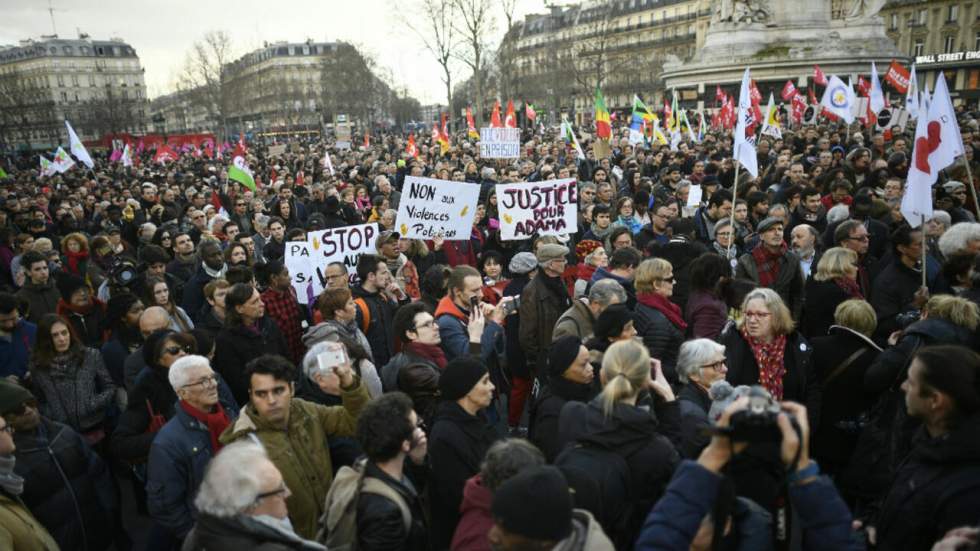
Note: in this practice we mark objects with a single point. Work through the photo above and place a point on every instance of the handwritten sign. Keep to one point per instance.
(277, 150)
(345, 245)
(538, 208)
(430, 207)
(500, 143)
(299, 262)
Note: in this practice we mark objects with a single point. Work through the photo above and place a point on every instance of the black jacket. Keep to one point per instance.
(546, 410)
(680, 253)
(236, 346)
(662, 338)
(936, 489)
(193, 298)
(416, 377)
(381, 329)
(893, 291)
(822, 298)
(457, 443)
(889, 368)
(67, 487)
(695, 403)
(239, 533)
(379, 520)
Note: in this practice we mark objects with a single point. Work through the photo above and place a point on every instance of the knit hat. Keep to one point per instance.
(767, 224)
(612, 320)
(953, 185)
(585, 248)
(12, 396)
(563, 353)
(67, 284)
(522, 263)
(460, 376)
(551, 251)
(535, 503)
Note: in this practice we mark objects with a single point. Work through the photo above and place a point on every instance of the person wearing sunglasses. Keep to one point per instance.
(66, 484)
(18, 527)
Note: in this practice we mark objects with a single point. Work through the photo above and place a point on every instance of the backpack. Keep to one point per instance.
(338, 525)
(362, 305)
(600, 481)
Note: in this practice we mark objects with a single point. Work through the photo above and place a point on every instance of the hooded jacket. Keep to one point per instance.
(475, 518)
(300, 450)
(330, 330)
(455, 336)
(379, 520)
(41, 299)
(586, 534)
(381, 330)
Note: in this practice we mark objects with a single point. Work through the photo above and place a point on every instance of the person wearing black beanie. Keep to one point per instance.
(533, 510)
(570, 378)
(78, 305)
(613, 324)
(460, 437)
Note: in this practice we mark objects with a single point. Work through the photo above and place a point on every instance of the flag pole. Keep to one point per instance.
(972, 186)
(731, 242)
(924, 248)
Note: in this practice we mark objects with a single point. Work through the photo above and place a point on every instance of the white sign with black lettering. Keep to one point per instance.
(430, 207)
(500, 143)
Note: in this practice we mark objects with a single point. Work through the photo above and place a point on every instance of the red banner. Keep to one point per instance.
(898, 77)
(789, 91)
(818, 76)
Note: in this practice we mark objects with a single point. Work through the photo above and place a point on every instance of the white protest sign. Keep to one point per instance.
(538, 208)
(345, 245)
(430, 207)
(500, 143)
(298, 261)
(694, 196)
(276, 150)
(343, 132)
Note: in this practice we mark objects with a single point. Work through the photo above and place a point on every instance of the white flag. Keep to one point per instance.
(326, 161)
(62, 161)
(876, 96)
(127, 157)
(924, 100)
(912, 95)
(771, 125)
(745, 145)
(937, 144)
(77, 149)
(838, 98)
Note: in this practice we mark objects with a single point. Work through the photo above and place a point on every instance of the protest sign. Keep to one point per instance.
(299, 262)
(345, 244)
(343, 136)
(500, 143)
(276, 150)
(537, 208)
(430, 207)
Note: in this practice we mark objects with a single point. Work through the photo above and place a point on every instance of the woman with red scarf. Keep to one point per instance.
(659, 322)
(591, 256)
(417, 368)
(74, 254)
(834, 281)
(184, 446)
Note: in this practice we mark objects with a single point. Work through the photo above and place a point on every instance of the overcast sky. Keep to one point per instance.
(163, 31)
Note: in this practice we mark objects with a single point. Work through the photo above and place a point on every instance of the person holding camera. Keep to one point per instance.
(700, 511)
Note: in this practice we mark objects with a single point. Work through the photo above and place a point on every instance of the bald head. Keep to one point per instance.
(153, 319)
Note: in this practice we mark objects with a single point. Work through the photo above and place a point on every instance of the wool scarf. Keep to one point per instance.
(11, 483)
(849, 286)
(216, 421)
(75, 260)
(769, 357)
(768, 263)
(431, 352)
(665, 307)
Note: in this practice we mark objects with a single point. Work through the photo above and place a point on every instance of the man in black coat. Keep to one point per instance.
(68, 488)
(377, 297)
(212, 266)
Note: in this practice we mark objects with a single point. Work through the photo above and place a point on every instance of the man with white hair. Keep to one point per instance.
(184, 446)
(242, 504)
(962, 238)
(383, 186)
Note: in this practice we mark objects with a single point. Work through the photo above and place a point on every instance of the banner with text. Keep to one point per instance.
(344, 245)
(538, 208)
(299, 262)
(500, 143)
(430, 207)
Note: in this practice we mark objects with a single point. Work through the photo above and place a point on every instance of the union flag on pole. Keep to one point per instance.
(410, 148)
(898, 77)
(789, 91)
(495, 116)
(818, 76)
(510, 118)
(470, 125)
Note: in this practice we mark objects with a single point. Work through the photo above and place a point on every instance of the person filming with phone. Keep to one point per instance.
(466, 325)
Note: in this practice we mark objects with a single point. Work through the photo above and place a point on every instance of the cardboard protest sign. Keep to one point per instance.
(343, 132)
(345, 244)
(299, 262)
(430, 207)
(276, 150)
(537, 208)
(500, 143)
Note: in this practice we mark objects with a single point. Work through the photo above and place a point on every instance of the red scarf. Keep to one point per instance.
(65, 308)
(665, 306)
(768, 263)
(431, 352)
(769, 356)
(74, 259)
(216, 421)
(849, 286)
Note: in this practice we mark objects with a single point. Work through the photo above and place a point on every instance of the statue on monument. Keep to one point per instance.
(865, 9)
(741, 11)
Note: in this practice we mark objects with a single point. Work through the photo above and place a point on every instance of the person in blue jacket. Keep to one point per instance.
(682, 519)
(16, 338)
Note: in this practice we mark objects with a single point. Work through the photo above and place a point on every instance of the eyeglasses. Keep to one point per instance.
(717, 366)
(757, 315)
(281, 490)
(174, 350)
(207, 382)
(430, 323)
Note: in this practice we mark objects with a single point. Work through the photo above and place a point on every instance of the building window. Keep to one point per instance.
(948, 43)
(918, 47)
(923, 17)
(976, 41)
(894, 23)
(61, 80)
(953, 14)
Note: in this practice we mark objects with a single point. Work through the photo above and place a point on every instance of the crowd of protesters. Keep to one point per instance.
(787, 364)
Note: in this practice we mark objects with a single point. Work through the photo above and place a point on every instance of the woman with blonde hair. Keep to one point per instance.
(619, 421)
(834, 282)
(659, 322)
(74, 252)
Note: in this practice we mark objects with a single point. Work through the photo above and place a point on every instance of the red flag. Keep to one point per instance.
(209, 149)
(272, 175)
(216, 200)
(164, 154)
(898, 77)
(813, 97)
(471, 126)
(755, 94)
(510, 119)
(529, 111)
(789, 91)
(863, 86)
(495, 116)
(719, 95)
(367, 139)
(799, 107)
(241, 142)
(818, 76)
(668, 113)
(410, 147)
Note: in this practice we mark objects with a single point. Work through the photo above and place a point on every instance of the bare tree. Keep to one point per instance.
(509, 7)
(475, 23)
(592, 49)
(439, 37)
(203, 75)
(349, 84)
(27, 112)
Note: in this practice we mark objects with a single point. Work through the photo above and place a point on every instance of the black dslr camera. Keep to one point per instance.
(122, 272)
(757, 422)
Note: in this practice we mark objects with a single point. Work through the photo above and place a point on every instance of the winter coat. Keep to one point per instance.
(633, 433)
(300, 450)
(844, 398)
(457, 443)
(672, 524)
(19, 530)
(88, 326)
(661, 337)
(455, 336)
(822, 299)
(694, 403)
(178, 456)
(416, 377)
(379, 520)
(789, 282)
(936, 489)
(894, 289)
(193, 299)
(889, 368)
(381, 330)
(41, 299)
(475, 519)
(516, 361)
(236, 346)
(540, 309)
(546, 411)
(603, 273)
(680, 253)
(14, 353)
(587, 534)
(67, 487)
(77, 395)
(577, 320)
(242, 532)
(705, 314)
